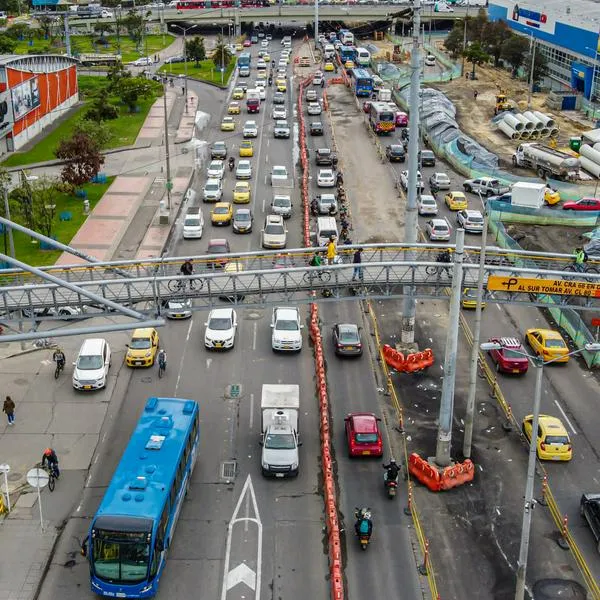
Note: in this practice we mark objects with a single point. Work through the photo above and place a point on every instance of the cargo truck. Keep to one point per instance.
(546, 161)
(528, 194)
(253, 101)
(280, 412)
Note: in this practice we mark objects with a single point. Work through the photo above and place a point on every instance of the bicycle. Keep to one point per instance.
(573, 268)
(60, 365)
(431, 270)
(162, 367)
(51, 475)
(322, 276)
(43, 343)
(180, 285)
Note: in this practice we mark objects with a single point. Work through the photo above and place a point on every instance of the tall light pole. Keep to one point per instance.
(530, 501)
(167, 155)
(185, 30)
(474, 360)
(410, 225)
(462, 66)
(316, 23)
(531, 67)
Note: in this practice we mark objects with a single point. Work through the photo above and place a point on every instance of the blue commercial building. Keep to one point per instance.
(566, 33)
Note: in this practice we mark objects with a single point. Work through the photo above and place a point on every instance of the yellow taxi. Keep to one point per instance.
(222, 213)
(241, 192)
(233, 108)
(239, 47)
(548, 344)
(551, 196)
(469, 298)
(267, 57)
(328, 66)
(349, 64)
(456, 201)
(281, 84)
(553, 441)
(246, 148)
(143, 347)
(238, 93)
(227, 124)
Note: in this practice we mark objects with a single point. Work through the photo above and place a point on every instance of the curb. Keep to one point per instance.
(22, 352)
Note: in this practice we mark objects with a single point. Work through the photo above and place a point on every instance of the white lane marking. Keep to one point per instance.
(234, 580)
(251, 422)
(208, 362)
(264, 202)
(565, 417)
(187, 339)
(254, 332)
(246, 512)
(241, 574)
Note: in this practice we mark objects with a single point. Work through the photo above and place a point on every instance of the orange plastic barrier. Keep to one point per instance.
(411, 363)
(457, 475)
(420, 469)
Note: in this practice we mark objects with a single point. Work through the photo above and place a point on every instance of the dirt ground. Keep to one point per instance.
(548, 238)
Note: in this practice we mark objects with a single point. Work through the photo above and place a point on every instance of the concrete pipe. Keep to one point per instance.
(534, 135)
(547, 120)
(526, 122)
(596, 146)
(536, 122)
(553, 131)
(590, 153)
(590, 166)
(505, 128)
(513, 122)
(544, 132)
(525, 134)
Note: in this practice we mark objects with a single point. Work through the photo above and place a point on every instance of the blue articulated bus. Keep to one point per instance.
(362, 81)
(133, 529)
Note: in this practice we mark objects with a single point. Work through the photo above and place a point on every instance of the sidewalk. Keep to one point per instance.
(124, 223)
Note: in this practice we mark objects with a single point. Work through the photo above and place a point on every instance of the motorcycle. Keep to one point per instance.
(363, 526)
(314, 208)
(391, 485)
(231, 163)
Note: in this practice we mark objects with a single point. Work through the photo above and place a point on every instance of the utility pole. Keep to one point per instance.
(185, 74)
(530, 90)
(67, 34)
(444, 439)
(167, 155)
(462, 67)
(410, 226)
(316, 23)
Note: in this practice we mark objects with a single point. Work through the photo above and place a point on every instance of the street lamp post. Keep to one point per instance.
(530, 501)
(185, 75)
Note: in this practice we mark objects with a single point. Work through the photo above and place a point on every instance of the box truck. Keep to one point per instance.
(528, 194)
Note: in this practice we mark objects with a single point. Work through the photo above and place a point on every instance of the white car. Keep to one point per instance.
(311, 96)
(91, 367)
(430, 60)
(404, 181)
(274, 234)
(282, 64)
(470, 220)
(260, 83)
(144, 61)
(262, 92)
(314, 108)
(220, 328)
(279, 175)
(250, 129)
(318, 79)
(440, 180)
(243, 170)
(264, 44)
(280, 112)
(326, 178)
(213, 190)
(438, 230)
(216, 169)
(261, 65)
(286, 330)
(427, 205)
(107, 14)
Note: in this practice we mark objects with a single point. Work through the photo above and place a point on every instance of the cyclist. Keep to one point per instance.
(49, 457)
(59, 358)
(162, 359)
(316, 261)
(187, 268)
(580, 259)
(446, 258)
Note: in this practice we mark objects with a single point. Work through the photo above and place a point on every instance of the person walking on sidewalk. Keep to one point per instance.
(9, 409)
(357, 260)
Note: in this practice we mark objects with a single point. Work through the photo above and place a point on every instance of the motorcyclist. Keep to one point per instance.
(314, 206)
(187, 268)
(49, 458)
(59, 358)
(270, 80)
(363, 524)
(392, 470)
(231, 163)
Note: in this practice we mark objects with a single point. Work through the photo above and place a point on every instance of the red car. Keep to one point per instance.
(401, 119)
(363, 434)
(509, 358)
(583, 204)
(247, 43)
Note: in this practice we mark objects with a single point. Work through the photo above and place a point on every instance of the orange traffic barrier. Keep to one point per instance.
(393, 358)
(424, 472)
(337, 591)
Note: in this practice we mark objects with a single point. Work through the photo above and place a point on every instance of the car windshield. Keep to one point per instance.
(140, 343)
(120, 557)
(215, 166)
(286, 325)
(507, 353)
(219, 323)
(397, 149)
(280, 441)
(274, 229)
(324, 151)
(219, 146)
(242, 217)
(192, 222)
(430, 201)
(316, 125)
(89, 362)
(281, 202)
(552, 343)
(475, 219)
(218, 249)
(348, 335)
(221, 210)
(280, 171)
(366, 438)
(211, 187)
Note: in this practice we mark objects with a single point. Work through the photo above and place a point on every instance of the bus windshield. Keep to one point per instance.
(121, 556)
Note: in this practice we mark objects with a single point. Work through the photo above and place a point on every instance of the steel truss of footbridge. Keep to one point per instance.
(141, 288)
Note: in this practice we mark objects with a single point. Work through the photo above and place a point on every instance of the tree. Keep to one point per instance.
(12, 7)
(476, 55)
(130, 89)
(514, 51)
(95, 129)
(102, 109)
(454, 41)
(115, 73)
(221, 54)
(134, 24)
(540, 67)
(496, 34)
(46, 24)
(83, 159)
(102, 28)
(195, 50)
(7, 44)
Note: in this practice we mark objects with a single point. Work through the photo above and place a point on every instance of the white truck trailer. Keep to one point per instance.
(280, 412)
(546, 161)
(531, 195)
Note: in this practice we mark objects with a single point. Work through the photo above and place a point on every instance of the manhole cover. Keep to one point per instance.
(146, 379)
(228, 469)
(233, 391)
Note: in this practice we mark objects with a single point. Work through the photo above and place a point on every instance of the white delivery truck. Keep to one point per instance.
(280, 412)
(546, 161)
(528, 194)
(384, 95)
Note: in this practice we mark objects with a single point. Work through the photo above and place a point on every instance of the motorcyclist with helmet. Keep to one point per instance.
(392, 470)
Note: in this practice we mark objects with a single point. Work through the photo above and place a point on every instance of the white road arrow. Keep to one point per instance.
(242, 573)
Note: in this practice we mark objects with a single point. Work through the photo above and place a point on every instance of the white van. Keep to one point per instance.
(363, 57)
(193, 223)
(326, 228)
(92, 364)
(329, 51)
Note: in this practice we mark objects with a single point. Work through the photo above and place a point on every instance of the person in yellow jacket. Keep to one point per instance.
(331, 250)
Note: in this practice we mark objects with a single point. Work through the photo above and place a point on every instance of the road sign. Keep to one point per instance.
(37, 478)
(560, 287)
(596, 322)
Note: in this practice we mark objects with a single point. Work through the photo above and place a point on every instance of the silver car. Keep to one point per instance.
(427, 205)
(243, 170)
(440, 180)
(179, 308)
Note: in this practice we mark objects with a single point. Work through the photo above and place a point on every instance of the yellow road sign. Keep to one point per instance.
(527, 285)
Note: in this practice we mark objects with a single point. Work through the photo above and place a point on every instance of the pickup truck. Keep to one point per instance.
(486, 186)
(589, 507)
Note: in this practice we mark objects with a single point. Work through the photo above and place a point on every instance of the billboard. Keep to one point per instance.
(6, 114)
(25, 97)
(533, 18)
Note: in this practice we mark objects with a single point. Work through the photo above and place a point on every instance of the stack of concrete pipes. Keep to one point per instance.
(531, 125)
(590, 158)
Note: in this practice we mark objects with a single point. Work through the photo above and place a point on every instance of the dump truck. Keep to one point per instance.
(546, 161)
(280, 412)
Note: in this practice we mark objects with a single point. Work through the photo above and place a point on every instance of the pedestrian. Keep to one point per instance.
(183, 90)
(322, 83)
(9, 409)
(356, 261)
(467, 75)
(475, 92)
(331, 251)
(156, 58)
